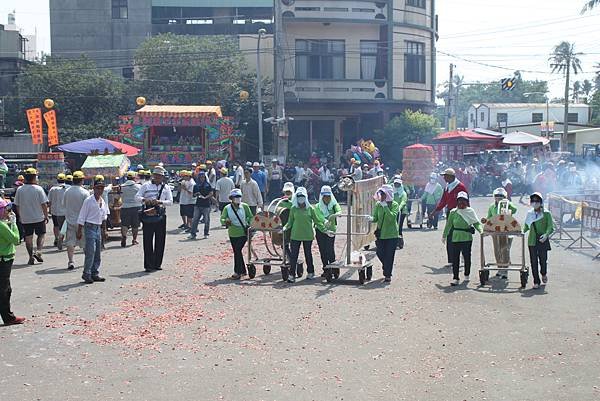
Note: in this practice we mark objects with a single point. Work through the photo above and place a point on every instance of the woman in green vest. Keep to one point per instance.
(237, 217)
(301, 225)
(385, 215)
(460, 227)
(502, 244)
(327, 211)
(9, 238)
(432, 194)
(540, 226)
(286, 204)
(401, 198)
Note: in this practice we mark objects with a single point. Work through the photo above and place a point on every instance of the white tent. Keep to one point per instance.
(520, 138)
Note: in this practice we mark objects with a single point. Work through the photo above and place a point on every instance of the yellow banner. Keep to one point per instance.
(50, 118)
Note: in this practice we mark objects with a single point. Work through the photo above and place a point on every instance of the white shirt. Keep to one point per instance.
(223, 188)
(300, 174)
(251, 193)
(325, 174)
(238, 176)
(93, 211)
(187, 192)
(55, 197)
(150, 191)
(72, 202)
(30, 198)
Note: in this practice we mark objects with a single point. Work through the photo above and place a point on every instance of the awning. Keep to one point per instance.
(99, 145)
(419, 146)
(520, 138)
(179, 111)
(467, 135)
(488, 132)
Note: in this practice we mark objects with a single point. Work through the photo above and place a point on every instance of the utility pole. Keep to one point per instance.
(261, 153)
(451, 126)
(564, 136)
(281, 127)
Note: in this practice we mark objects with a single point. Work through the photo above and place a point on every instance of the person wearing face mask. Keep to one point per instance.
(385, 215)
(301, 223)
(286, 203)
(460, 227)
(236, 217)
(327, 210)
(400, 197)
(430, 198)
(502, 244)
(540, 226)
(9, 238)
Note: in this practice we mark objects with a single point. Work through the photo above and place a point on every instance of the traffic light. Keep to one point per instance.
(508, 84)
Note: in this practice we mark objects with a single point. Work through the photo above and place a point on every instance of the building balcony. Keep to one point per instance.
(208, 27)
(344, 89)
(350, 11)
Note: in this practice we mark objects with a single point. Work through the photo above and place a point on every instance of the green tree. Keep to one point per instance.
(589, 5)
(564, 59)
(407, 129)
(586, 89)
(87, 99)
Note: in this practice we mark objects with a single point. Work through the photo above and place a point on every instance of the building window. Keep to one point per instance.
(416, 3)
(482, 116)
(119, 9)
(371, 60)
(414, 62)
(320, 59)
(573, 117)
(472, 118)
(127, 73)
(502, 118)
(537, 117)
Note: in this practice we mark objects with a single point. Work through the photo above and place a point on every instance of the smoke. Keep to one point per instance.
(590, 176)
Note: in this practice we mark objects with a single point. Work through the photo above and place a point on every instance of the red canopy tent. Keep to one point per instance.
(467, 135)
(453, 145)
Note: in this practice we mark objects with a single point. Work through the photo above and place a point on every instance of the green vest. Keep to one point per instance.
(387, 220)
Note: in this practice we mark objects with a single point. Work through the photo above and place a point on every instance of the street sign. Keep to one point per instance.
(508, 84)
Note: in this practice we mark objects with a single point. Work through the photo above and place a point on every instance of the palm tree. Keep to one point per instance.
(586, 89)
(563, 60)
(576, 91)
(589, 5)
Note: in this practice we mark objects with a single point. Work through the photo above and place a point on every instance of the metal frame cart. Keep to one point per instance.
(363, 266)
(274, 241)
(484, 271)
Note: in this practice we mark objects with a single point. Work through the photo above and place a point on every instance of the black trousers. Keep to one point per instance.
(326, 248)
(538, 254)
(5, 291)
(386, 251)
(401, 222)
(155, 235)
(449, 247)
(456, 248)
(308, 259)
(237, 244)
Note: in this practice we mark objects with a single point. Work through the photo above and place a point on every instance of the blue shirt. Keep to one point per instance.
(261, 179)
(204, 189)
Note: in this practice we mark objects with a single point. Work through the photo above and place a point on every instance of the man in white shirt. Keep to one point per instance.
(57, 210)
(94, 212)
(223, 188)
(326, 175)
(300, 176)
(186, 199)
(154, 196)
(130, 209)
(251, 192)
(32, 206)
(72, 202)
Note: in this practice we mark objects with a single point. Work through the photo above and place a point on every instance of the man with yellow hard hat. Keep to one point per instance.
(73, 200)
(57, 209)
(32, 205)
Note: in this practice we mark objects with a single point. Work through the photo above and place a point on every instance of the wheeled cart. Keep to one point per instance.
(268, 227)
(484, 271)
(418, 219)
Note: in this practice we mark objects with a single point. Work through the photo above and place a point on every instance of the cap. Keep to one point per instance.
(99, 181)
(194, 164)
(20, 178)
(462, 195)
(209, 162)
(449, 171)
(158, 170)
(202, 167)
(61, 176)
(224, 170)
(140, 167)
(69, 177)
(288, 187)
(30, 171)
(397, 180)
(500, 192)
(249, 164)
(235, 193)
(131, 174)
(78, 175)
(249, 169)
(4, 203)
(274, 161)
(536, 195)
(326, 190)
(256, 164)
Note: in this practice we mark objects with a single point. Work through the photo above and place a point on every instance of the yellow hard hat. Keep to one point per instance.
(209, 162)
(69, 177)
(61, 176)
(131, 174)
(202, 167)
(31, 171)
(78, 174)
(20, 178)
(224, 170)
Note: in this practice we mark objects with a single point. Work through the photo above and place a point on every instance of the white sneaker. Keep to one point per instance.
(467, 277)
(310, 276)
(536, 286)
(544, 279)
(454, 283)
(291, 279)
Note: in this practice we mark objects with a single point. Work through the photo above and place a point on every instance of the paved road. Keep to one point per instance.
(188, 333)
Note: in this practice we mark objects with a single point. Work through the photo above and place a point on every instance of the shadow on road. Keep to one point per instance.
(531, 292)
(53, 270)
(438, 270)
(67, 287)
(450, 289)
(132, 275)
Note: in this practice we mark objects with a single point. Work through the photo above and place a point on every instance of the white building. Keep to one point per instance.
(513, 115)
(30, 41)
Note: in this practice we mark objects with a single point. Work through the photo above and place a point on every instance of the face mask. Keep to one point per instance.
(301, 200)
(237, 201)
(432, 180)
(536, 205)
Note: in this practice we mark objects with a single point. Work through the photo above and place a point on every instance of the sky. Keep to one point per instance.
(485, 39)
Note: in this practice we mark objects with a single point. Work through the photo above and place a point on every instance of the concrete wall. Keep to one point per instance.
(248, 44)
(584, 136)
(10, 44)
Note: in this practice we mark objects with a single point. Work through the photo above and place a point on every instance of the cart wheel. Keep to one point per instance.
(361, 276)
(524, 277)
(329, 275)
(267, 269)
(482, 278)
(421, 226)
(336, 273)
(284, 273)
(486, 275)
(369, 273)
(251, 270)
(409, 225)
(300, 270)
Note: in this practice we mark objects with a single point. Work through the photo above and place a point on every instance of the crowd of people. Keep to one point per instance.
(240, 191)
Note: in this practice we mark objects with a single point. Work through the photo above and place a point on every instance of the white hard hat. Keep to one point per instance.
(462, 195)
(500, 192)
